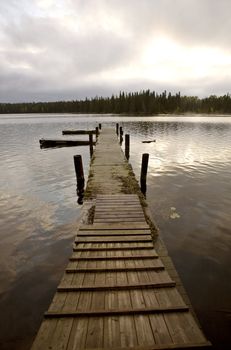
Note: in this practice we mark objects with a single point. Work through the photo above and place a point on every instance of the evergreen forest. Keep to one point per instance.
(138, 103)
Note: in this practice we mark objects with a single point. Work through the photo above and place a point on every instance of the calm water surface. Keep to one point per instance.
(189, 194)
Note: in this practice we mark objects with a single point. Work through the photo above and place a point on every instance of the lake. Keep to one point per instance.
(188, 191)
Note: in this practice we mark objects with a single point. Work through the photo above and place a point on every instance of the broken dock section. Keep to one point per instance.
(116, 292)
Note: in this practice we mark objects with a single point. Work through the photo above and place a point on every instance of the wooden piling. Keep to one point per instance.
(97, 131)
(91, 144)
(143, 174)
(121, 135)
(79, 177)
(127, 146)
(117, 129)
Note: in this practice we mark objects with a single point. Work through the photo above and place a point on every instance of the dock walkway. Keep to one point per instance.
(116, 291)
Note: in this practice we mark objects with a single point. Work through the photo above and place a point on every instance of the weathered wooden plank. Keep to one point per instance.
(169, 297)
(123, 199)
(118, 210)
(127, 332)
(119, 195)
(160, 330)
(78, 132)
(119, 226)
(115, 199)
(114, 257)
(118, 207)
(45, 143)
(143, 330)
(119, 215)
(71, 301)
(134, 220)
(126, 311)
(105, 269)
(104, 287)
(58, 301)
(84, 302)
(159, 276)
(188, 346)
(98, 298)
(129, 247)
(112, 233)
(67, 279)
(118, 204)
(183, 328)
(94, 333)
(78, 334)
(150, 298)
(61, 333)
(137, 216)
(143, 277)
(127, 206)
(45, 335)
(114, 239)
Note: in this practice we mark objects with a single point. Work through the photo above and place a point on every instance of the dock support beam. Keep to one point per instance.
(143, 175)
(80, 178)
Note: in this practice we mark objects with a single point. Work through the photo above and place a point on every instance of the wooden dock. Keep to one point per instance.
(116, 292)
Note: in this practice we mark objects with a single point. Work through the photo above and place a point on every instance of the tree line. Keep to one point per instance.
(143, 102)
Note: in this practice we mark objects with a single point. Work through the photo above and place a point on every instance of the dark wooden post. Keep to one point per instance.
(127, 146)
(143, 175)
(117, 129)
(80, 177)
(121, 135)
(91, 144)
(100, 126)
(96, 131)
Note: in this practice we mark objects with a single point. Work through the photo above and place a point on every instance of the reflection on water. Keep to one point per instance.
(188, 192)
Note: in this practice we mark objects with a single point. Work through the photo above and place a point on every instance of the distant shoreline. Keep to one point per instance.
(141, 103)
(187, 114)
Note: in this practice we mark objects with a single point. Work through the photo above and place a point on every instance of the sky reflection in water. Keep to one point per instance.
(189, 170)
(189, 175)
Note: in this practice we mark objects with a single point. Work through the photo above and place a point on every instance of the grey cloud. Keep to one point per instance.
(37, 89)
(191, 21)
(83, 53)
(43, 59)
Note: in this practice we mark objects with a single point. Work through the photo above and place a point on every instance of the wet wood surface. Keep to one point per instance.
(117, 293)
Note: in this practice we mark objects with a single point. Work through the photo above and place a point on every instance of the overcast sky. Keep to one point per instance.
(69, 49)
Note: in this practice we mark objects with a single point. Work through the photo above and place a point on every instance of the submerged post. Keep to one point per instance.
(127, 146)
(143, 175)
(91, 144)
(80, 177)
(117, 129)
